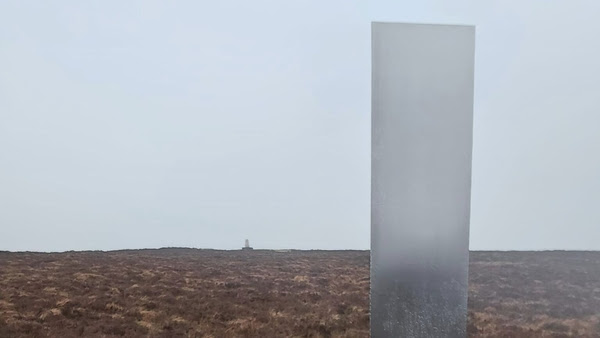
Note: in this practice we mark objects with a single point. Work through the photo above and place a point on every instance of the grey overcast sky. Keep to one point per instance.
(131, 124)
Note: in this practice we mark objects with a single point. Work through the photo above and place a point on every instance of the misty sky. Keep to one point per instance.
(194, 123)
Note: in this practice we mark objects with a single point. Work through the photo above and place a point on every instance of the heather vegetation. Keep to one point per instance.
(209, 293)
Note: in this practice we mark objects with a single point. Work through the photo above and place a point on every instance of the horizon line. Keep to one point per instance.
(278, 249)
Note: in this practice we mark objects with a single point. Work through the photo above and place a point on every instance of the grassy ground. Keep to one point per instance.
(534, 294)
(207, 293)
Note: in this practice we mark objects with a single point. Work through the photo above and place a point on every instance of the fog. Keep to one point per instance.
(151, 124)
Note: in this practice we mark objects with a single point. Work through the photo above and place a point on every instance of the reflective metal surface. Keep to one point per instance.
(422, 117)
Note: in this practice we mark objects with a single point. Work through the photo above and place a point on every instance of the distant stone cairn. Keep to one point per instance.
(247, 245)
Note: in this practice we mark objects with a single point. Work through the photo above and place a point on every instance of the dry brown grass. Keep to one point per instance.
(534, 294)
(184, 293)
(208, 293)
